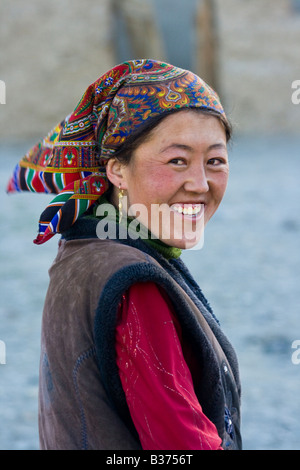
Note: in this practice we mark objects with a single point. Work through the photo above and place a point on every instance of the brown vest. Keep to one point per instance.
(81, 402)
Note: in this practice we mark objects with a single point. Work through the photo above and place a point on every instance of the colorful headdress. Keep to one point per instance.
(70, 161)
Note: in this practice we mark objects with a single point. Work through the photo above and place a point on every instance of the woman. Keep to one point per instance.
(132, 356)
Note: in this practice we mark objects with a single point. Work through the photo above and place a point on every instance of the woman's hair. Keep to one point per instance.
(144, 132)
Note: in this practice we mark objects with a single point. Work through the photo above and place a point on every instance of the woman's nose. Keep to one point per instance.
(197, 180)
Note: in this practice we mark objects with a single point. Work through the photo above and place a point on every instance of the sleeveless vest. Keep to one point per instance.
(81, 401)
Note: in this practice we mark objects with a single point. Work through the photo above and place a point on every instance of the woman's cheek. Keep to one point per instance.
(219, 183)
(162, 184)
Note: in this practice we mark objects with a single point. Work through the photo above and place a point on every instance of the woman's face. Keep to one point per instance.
(177, 178)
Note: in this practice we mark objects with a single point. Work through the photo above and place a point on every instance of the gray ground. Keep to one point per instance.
(249, 269)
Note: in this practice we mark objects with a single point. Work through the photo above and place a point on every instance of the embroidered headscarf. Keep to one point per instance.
(70, 160)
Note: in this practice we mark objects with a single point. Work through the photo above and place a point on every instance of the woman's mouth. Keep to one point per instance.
(189, 210)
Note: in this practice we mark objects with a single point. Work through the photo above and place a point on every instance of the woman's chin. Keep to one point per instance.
(194, 242)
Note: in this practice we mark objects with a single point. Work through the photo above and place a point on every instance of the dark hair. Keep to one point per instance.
(144, 132)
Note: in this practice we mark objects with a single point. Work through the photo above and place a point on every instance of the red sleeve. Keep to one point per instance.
(155, 377)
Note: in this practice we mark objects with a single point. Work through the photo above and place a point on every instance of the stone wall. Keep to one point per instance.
(259, 55)
(51, 51)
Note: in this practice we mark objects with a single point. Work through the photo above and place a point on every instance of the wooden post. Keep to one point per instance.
(144, 36)
(207, 65)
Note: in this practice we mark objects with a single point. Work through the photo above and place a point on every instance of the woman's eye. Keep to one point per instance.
(216, 161)
(177, 161)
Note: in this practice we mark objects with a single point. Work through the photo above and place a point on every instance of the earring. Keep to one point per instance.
(121, 195)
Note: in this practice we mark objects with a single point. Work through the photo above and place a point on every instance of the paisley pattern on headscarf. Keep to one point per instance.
(70, 160)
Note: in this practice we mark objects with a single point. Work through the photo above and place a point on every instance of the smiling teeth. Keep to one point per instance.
(187, 210)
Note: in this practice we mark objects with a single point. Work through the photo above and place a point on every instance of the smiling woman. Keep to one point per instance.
(132, 356)
(179, 171)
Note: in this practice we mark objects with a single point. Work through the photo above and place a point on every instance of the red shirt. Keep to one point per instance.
(155, 376)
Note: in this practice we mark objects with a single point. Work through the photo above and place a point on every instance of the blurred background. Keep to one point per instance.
(249, 267)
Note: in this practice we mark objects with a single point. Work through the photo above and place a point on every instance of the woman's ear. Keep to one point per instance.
(114, 171)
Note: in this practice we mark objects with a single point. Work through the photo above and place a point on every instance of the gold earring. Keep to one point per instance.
(121, 195)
